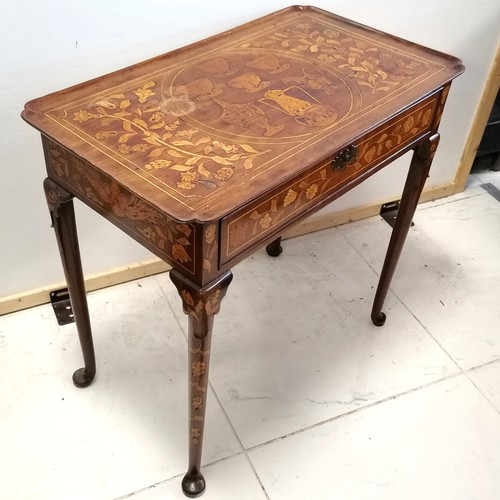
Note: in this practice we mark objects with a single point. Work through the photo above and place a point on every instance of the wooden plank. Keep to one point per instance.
(36, 297)
(478, 125)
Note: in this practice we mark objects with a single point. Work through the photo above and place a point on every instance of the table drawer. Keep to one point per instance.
(316, 186)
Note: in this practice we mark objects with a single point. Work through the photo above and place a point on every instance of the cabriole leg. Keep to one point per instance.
(60, 204)
(417, 175)
(200, 304)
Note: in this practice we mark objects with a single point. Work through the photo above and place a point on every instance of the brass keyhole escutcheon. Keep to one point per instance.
(346, 157)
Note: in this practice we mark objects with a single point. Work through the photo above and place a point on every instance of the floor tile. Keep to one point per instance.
(296, 346)
(487, 379)
(126, 431)
(448, 275)
(226, 480)
(472, 181)
(472, 189)
(435, 443)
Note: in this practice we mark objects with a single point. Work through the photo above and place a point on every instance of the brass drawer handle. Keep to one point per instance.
(346, 157)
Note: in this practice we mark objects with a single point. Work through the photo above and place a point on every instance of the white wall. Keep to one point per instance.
(49, 45)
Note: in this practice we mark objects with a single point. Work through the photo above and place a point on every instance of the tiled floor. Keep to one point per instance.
(308, 399)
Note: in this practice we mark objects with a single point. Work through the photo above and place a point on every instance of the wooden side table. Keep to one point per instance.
(208, 153)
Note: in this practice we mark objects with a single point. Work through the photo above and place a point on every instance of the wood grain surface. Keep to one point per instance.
(201, 131)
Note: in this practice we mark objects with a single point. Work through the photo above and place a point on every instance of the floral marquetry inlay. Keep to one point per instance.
(173, 239)
(225, 117)
(165, 142)
(373, 67)
(211, 247)
(242, 229)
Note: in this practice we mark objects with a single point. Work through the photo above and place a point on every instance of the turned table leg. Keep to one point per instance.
(60, 204)
(200, 304)
(274, 248)
(417, 175)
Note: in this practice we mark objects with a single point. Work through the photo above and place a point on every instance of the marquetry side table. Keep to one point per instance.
(209, 152)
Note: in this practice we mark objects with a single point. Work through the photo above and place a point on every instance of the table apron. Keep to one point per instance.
(315, 188)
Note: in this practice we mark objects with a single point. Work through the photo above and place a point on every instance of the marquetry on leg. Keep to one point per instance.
(200, 304)
(60, 204)
(274, 248)
(417, 175)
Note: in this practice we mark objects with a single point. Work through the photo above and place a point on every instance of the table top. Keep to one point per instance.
(205, 129)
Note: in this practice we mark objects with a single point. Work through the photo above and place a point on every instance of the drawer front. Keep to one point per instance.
(267, 215)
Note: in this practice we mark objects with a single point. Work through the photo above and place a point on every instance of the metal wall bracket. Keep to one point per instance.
(389, 212)
(62, 306)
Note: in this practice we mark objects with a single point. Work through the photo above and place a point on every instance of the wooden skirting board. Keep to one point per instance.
(142, 269)
(93, 282)
(362, 212)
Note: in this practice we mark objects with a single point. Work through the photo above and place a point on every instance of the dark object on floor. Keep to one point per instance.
(492, 190)
(488, 152)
